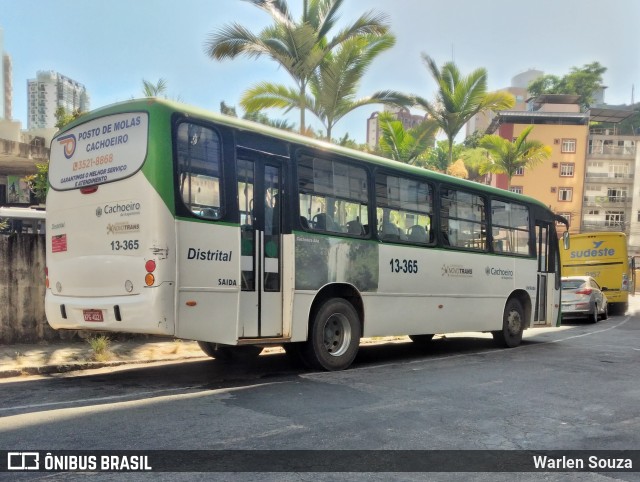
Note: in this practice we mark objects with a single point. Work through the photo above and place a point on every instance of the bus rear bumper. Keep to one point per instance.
(127, 314)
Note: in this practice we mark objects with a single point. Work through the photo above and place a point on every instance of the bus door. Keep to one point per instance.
(259, 203)
(547, 296)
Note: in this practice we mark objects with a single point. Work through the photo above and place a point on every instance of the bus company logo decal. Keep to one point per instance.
(68, 143)
(595, 252)
(456, 270)
(129, 208)
(502, 273)
(122, 228)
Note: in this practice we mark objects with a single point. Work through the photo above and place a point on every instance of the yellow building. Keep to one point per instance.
(559, 181)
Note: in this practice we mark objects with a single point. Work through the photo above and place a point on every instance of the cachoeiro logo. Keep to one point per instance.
(69, 144)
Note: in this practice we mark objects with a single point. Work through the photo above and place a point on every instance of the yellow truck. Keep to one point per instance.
(604, 257)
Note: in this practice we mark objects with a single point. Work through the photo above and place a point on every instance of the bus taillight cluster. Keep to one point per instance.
(150, 278)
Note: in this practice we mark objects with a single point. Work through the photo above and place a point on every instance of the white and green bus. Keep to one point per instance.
(169, 220)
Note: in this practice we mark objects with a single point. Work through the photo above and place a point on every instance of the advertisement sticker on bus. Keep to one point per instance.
(99, 151)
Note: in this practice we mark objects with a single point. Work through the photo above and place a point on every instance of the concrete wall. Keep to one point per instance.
(22, 264)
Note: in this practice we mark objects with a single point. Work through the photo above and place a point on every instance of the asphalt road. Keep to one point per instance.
(573, 388)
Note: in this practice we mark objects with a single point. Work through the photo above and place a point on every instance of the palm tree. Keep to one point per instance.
(405, 145)
(459, 98)
(298, 46)
(158, 89)
(333, 86)
(506, 156)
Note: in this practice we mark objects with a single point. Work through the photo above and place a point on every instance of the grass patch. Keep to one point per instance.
(19, 358)
(101, 346)
(176, 346)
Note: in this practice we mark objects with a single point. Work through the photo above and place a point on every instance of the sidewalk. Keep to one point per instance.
(43, 358)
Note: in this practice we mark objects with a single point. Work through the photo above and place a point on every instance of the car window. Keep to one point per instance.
(572, 284)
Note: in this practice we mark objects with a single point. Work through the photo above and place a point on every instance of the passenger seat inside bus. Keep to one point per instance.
(389, 232)
(418, 234)
(355, 227)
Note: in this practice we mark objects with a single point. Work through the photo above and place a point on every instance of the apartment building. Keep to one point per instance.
(48, 91)
(402, 114)
(590, 177)
(558, 182)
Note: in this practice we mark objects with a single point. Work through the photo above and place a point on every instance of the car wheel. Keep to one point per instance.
(605, 313)
(594, 317)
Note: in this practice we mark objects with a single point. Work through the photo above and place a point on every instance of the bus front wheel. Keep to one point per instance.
(513, 323)
(334, 336)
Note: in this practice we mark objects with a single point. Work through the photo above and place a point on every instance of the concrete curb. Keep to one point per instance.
(71, 367)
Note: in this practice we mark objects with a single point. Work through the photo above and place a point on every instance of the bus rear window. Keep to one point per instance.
(101, 150)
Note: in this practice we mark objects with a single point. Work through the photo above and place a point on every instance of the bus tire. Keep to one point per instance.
(513, 323)
(334, 336)
(228, 352)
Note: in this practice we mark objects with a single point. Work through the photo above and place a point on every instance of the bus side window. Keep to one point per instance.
(199, 169)
(404, 209)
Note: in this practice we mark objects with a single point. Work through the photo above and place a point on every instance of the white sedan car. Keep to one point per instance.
(582, 297)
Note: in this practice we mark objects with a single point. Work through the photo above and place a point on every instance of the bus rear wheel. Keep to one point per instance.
(228, 352)
(513, 323)
(334, 336)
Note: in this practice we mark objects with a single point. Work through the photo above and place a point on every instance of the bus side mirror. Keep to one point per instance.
(565, 240)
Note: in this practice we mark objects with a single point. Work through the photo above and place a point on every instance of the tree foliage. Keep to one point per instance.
(507, 156)
(159, 89)
(403, 145)
(458, 169)
(459, 98)
(584, 82)
(298, 46)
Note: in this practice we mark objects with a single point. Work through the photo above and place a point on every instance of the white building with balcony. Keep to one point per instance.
(611, 190)
(48, 91)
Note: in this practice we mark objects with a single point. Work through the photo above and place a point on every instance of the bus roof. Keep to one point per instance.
(150, 104)
(22, 213)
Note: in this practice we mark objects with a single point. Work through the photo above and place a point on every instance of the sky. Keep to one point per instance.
(110, 47)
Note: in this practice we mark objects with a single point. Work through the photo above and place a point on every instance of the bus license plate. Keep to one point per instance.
(92, 315)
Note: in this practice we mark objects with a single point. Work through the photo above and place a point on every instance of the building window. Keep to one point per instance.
(519, 171)
(567, 169)
(565, 194)
(595, 212)
(516, 189)
(567, 216)
(617, 194)
(568, 145)
(614, 218)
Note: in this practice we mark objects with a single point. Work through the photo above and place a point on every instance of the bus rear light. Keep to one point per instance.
(149, 279)
(88, 189)
(150, 266)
